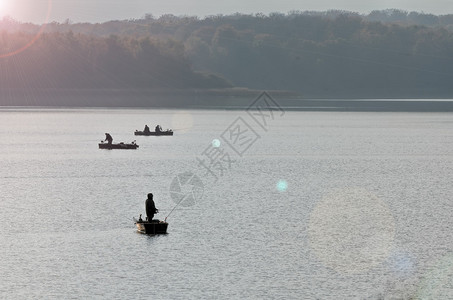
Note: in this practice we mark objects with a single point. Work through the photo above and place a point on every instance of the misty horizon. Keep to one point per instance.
(148, 15)
(103, 10)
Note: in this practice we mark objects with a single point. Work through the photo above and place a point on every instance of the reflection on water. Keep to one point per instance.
(438, 282)
(182, 121)
(323, 206)
(351, 230)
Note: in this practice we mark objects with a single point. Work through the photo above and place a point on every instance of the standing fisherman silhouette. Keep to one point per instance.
(108, 138)
(150, 207)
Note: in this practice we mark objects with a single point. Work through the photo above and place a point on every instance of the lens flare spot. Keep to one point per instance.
(402, 264)
(351, 230)
(215, 143)
(282, 185)
(4, 8)
(438, 282)
(182, 122)
(27, 40)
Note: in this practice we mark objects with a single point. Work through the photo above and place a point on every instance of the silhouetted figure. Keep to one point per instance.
(108, 138)
(158, 128)
(146, 128)
(150, 207)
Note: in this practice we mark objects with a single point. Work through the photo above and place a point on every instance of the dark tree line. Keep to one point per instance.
(386, 53)
(315, 55)
(66, 60)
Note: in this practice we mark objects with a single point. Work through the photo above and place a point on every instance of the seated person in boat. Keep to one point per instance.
(108, 138)
(150, 207)
(146, 129)
(158, 128)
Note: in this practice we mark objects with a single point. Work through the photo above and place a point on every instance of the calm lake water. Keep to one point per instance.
(312, 205)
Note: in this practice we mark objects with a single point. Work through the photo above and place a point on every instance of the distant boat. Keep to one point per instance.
(121, 145)
(148, 133)
(151, 227)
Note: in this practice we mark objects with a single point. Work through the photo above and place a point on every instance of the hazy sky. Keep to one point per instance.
(38, 11)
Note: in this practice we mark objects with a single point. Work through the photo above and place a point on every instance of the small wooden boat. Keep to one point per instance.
(151, 227)
(121, 145)
(148, 133)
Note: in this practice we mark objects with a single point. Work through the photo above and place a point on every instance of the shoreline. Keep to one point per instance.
(223, 99)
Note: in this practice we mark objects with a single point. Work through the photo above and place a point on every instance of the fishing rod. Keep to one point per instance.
(178, 129)
(167, 209)
(183, 198)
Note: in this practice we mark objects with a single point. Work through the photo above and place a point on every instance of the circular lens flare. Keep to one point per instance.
(282, 185)
(182, 122)
(216, 143)
(12, 52)
(351, 230)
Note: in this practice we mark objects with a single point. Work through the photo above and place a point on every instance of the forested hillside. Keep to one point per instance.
(331, 54)
(67, 60)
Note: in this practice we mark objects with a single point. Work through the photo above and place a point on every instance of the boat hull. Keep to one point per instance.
(153, 227)
(153, 133)
(117, 146)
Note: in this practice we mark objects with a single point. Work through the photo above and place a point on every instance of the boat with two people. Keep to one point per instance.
(157, 131)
